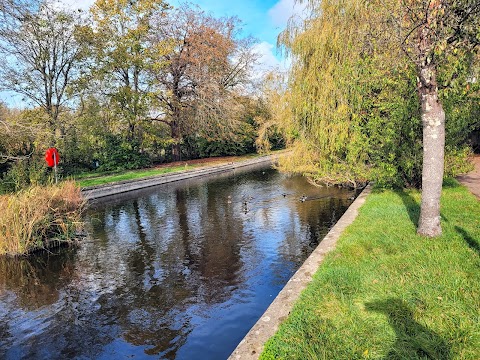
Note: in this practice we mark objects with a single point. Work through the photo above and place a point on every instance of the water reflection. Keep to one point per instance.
(179, 271)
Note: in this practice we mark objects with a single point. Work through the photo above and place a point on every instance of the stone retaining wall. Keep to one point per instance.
(96, 192)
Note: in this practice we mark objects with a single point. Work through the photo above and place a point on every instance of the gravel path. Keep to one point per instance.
(472, 179)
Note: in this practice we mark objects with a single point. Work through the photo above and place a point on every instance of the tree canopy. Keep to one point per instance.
(366, 74)
(42, 54)
(125, 84)
(197, 83)
(135, 82)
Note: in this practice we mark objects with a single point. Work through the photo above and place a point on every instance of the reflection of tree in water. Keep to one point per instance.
(31, 286)
(153, 292)
(160, 262)
(168, 271)
(309, 221)
(35, 281)
(413, 340)
(221, 261)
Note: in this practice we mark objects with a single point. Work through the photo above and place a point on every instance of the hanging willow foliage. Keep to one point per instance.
(326, 94)
(352, 98)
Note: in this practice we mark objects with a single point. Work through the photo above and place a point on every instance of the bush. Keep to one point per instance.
(120, 154)
(33, 218)
(24, 173)
(240, 143)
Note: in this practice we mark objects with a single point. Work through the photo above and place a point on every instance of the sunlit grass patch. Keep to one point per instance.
(129, 175)
(95, 179)
(386, 293)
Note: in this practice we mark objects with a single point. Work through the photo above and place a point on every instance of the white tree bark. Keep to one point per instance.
(433, 119)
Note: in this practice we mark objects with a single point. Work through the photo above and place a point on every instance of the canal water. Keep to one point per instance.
(179, 271)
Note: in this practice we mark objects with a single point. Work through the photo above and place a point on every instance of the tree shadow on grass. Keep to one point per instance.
(413, 208)
(471, 242)
(413, 340)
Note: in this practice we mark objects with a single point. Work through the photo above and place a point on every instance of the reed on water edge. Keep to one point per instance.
(37, 217)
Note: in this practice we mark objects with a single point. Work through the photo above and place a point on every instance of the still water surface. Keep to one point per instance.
(180, 271)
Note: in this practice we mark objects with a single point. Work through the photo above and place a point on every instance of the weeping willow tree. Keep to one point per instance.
(353, 96)
(325, 93)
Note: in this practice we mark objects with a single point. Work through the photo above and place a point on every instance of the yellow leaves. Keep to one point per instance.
(120, 31)
(119, 14)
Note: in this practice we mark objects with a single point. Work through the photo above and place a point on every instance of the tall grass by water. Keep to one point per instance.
(386, 293)
(38, 217)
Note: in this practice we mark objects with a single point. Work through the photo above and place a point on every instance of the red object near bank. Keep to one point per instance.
(52, 157)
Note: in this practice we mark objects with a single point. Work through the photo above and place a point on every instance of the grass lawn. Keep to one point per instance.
(94, 179)
(100, 179)
(386, 293)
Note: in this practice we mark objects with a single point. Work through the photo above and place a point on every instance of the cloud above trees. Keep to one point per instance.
(75, 4)
(283, 10)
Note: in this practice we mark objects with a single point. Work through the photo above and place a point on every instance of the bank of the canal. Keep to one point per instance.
(252, 344)
(101, 191)
(386, 292)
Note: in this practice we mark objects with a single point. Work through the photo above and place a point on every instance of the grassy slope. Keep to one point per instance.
(99, 179)
(94, 179)
(386, 293)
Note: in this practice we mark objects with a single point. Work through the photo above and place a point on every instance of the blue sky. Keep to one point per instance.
(262, 19)
(254, 14)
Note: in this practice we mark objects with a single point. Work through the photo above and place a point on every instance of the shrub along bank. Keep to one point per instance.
(386, 293)
(38, 217)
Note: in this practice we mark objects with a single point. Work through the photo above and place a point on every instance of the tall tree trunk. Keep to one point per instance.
(131, 131)
(433, 119)
(176, 136)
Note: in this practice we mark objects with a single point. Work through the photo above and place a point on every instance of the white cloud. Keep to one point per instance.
(268, 60)
(284, 10)
(75, 4)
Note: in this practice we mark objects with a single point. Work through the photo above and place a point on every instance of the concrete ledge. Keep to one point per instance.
(96, 192)
(252, 344)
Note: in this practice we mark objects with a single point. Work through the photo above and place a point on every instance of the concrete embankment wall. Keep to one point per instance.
(97, 192)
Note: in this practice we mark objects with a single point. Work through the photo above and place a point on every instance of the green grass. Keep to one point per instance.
(386, 293)
(100, 179)
(95, 179)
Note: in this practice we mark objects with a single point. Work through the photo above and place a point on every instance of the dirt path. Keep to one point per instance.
(472, 179)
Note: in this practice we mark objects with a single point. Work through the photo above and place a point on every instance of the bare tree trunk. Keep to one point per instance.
(433, 119)
(176, 150)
